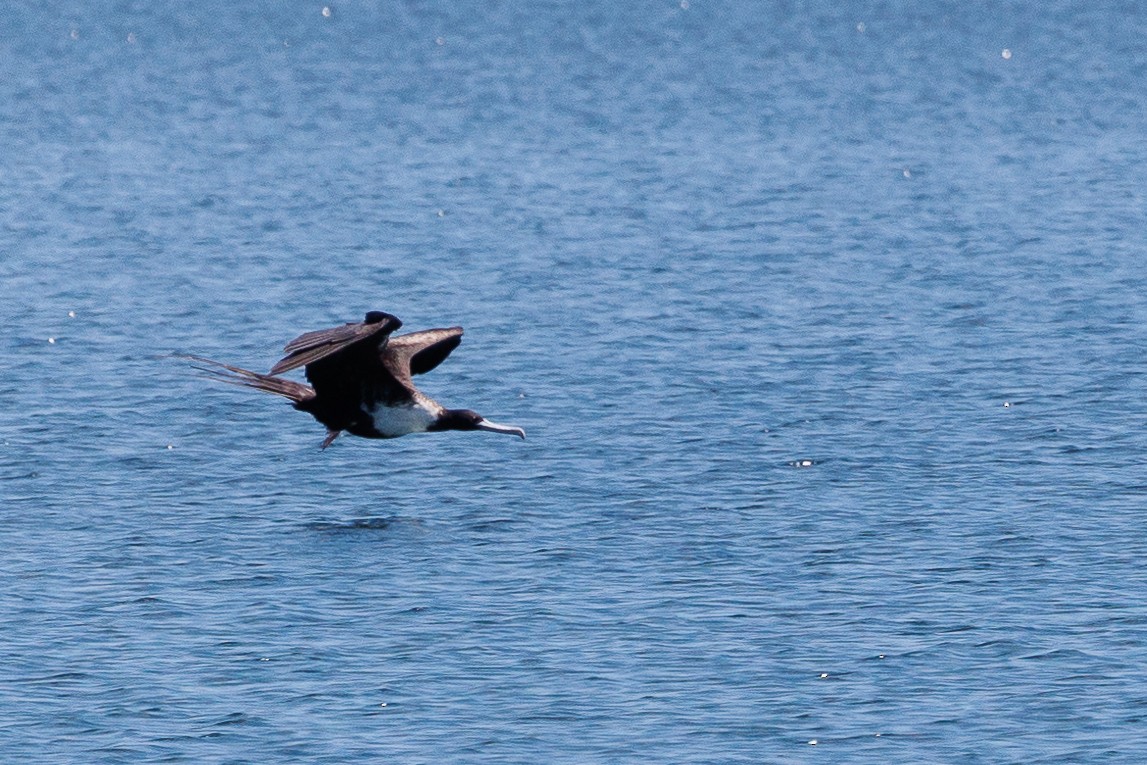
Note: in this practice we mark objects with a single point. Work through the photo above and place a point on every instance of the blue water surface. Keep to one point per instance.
(825, 322)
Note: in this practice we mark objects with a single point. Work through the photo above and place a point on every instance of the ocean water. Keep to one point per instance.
(826, 323)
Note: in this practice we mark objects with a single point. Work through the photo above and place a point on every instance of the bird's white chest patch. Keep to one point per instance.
(394, 421)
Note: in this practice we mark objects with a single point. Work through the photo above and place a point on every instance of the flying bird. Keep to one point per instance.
(361, 380)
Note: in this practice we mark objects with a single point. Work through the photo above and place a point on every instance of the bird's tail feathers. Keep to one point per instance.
(216, 370)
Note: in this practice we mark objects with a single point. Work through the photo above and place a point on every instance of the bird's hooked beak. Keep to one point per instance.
(494, 427)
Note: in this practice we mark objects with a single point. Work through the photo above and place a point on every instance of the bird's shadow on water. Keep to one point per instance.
(398, 526)
(365, 525)
(354, 524)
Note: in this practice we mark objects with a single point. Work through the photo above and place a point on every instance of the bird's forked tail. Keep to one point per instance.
(215, 370)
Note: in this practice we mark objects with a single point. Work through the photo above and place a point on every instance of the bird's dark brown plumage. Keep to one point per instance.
(361, 379)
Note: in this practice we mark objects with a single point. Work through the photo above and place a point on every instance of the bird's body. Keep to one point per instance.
(361, 380)
(394, 421)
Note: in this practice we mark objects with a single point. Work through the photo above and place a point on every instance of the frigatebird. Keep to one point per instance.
(361, 380)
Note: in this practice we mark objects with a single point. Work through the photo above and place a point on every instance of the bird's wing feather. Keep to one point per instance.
(419, 352)
(315, 346)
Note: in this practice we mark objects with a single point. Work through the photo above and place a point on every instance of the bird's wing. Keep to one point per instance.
(314, 346)
(419, 352)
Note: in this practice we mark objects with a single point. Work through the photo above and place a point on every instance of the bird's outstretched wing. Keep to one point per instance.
(419, 352)
(320, 344)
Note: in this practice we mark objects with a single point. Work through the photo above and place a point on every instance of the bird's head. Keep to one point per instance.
(466, 419)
